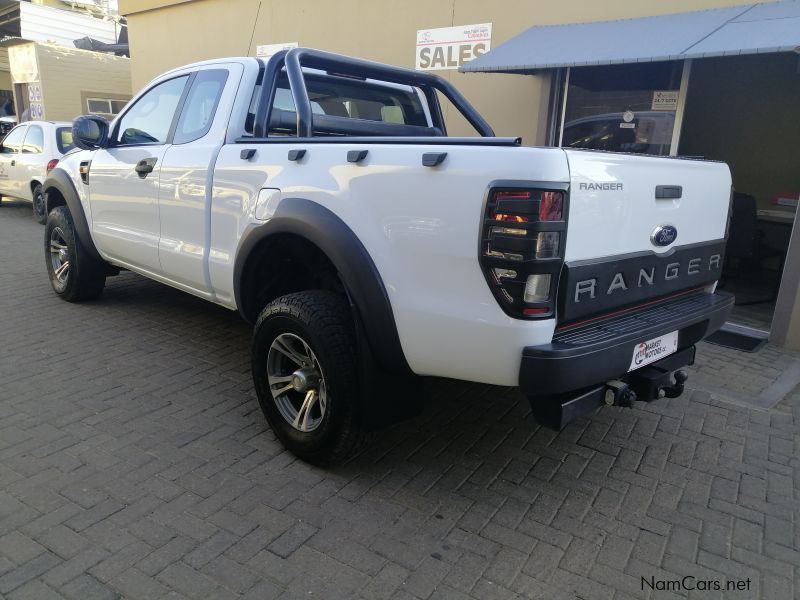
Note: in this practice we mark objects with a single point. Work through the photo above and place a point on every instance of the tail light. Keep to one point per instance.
(522, 247)
(52, 164)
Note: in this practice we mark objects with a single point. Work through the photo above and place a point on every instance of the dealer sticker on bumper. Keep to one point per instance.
(653, 350)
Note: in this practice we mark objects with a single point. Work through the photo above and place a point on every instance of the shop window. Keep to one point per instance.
(105, 106)
(622, 108)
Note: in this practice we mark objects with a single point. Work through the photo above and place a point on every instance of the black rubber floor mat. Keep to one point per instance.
(738, 341)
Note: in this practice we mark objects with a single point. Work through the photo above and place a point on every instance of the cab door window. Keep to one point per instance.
(150, 119)
(34, 140)
(13, 141)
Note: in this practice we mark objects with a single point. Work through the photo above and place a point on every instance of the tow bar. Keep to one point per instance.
(652, 383)
(664, 378)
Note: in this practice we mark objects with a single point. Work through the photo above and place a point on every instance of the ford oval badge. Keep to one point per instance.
(663, 235)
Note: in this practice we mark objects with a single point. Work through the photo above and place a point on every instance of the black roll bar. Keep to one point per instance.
(271, 71)
(294, 60)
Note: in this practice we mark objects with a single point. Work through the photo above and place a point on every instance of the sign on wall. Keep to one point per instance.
(665, 100)
(35, 100)
(451, 47)
(267, 50)
(23, 64)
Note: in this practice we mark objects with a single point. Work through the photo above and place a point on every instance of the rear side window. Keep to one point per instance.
(13, 141)
(64, 139)
(34, 140)
(201, 105)
(284, 101)
(149, 120)
(355, 99)
(250, 120)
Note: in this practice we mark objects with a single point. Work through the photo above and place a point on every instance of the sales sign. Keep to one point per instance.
(451, 47)
(267, 50)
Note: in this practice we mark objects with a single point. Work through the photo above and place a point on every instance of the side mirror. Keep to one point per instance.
(90, 132)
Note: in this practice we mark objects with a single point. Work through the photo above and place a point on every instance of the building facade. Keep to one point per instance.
(56, 83)
(738, 108)
(38, 52)
(381, 31)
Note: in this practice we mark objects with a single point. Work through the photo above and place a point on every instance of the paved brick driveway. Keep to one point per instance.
(134, 462)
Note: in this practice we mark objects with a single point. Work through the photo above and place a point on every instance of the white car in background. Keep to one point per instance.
(27, 154)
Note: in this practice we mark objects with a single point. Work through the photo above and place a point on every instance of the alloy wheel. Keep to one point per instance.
(296, 382)
(59, 255)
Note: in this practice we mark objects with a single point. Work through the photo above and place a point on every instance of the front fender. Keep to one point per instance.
(60, 181)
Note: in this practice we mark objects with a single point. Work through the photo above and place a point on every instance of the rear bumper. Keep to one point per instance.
(591, 354)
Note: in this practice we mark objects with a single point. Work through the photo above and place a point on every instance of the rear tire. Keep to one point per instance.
(39, 205)
(74, 274)
(305, 375)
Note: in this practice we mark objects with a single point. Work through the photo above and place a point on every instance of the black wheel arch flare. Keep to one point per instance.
(59, 180)
(360, 276)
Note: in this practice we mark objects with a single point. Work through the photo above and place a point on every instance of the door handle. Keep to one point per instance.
(13, 162)
(145, 166)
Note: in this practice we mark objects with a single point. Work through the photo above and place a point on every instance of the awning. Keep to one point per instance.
(745, 29)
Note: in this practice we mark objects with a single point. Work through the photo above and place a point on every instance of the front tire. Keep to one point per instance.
(305, 375)
(39, 205)
(74, 274)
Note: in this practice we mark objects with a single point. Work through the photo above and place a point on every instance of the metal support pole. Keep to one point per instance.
(676, 128)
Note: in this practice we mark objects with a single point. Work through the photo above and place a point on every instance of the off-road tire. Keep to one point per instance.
(324, 321)
(39, 205)
(86, 275)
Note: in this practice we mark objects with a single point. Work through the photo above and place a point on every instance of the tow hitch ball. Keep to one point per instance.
(676, 389)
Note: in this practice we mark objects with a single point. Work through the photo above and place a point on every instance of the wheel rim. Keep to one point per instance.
(38, 204)
(59, 255)
(296, 382)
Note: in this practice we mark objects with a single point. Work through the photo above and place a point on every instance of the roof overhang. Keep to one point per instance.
(737, 30)
(14, 41)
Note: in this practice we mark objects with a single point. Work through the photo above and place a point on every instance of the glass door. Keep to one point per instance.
(624, 108)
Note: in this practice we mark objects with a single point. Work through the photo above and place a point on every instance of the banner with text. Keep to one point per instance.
(451, 47)
(267, 50)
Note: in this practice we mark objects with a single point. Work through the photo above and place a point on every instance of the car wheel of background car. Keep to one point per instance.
(39, 207)
(74, 274)
(304, 370)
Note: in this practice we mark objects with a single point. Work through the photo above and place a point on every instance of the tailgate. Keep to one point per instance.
(620, 246)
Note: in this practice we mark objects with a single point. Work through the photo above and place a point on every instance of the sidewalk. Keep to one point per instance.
(760, 380)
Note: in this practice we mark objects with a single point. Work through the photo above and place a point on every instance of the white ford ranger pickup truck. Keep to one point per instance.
(321, 197)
